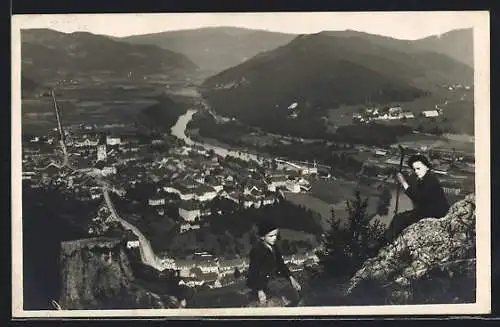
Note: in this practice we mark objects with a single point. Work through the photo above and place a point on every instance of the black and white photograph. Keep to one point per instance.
(250, 164)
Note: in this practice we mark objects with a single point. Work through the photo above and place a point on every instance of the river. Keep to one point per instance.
(179, 130)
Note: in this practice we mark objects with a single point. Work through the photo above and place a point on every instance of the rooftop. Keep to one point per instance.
(189, 205)
(202, 189)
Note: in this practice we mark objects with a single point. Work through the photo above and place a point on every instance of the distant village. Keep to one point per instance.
(392, 113)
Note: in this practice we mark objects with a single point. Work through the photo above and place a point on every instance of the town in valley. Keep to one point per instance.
(190, 183)
(172, 151)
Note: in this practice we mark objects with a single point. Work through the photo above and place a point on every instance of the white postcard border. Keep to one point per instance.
(481, 28)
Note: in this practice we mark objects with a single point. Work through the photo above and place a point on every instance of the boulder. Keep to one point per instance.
(432, 261)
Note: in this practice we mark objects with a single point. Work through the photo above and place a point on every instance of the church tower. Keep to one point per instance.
(101, 152)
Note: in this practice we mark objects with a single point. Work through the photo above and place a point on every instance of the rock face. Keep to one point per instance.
(96, 274)
(432, 261)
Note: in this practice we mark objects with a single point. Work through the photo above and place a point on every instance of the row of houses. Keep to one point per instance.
(205, 265)
(296, 167)
(217, 274)
(198, 192)
(309, 258)
(195, 187)
(192, 204)
(393, 113)
(191, 210)
(209, 280)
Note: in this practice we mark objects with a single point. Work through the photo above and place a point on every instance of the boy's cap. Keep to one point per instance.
(264, 227)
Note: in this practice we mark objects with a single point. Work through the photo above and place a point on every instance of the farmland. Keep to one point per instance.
(331, 194)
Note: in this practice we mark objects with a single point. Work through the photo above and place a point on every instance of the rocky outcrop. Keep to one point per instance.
(96, 274)
(432, 261)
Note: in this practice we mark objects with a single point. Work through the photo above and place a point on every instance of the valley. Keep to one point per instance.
(197, 146)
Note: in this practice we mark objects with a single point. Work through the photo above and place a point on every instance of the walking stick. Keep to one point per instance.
(402, 151)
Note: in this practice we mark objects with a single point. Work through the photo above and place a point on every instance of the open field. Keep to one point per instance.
(333, 191)
(333, 194)
(342, 115)
(185, 91)
(39, 115)
(106, 103)
(260, 140)
(442, 142)
(460, 115)
(310, 202)
(326, 195)
(324, 209)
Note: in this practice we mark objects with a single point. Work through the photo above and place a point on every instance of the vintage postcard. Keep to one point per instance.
(251, 164)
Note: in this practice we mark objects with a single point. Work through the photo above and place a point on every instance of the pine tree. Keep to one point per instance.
(359, 227)
(384, 202)
(346, 247)
(334, 244)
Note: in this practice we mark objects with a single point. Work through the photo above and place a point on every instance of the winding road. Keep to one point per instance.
(148, 256)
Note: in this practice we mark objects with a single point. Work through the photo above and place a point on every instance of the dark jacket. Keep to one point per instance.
(265, 265)
(427, 195)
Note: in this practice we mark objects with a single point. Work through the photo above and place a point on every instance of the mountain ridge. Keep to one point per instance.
(46, 52)
(215, 48)
(320, 72)
(457, 44)
(228, 37)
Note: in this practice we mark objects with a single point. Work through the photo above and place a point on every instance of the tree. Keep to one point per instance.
(334, 243)
(384, 202)
(196, 271)
(347, 246)
(285, 246)
(358, 227)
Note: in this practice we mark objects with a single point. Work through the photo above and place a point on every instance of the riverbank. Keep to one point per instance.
(214, 142)
(179, 131)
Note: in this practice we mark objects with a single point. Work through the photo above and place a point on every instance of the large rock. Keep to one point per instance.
(432, 261)
(96, 274)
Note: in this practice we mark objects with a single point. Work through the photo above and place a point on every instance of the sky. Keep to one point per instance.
(401, 25)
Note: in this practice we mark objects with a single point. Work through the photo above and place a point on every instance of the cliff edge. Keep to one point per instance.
(96, 274)
(432, 261)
